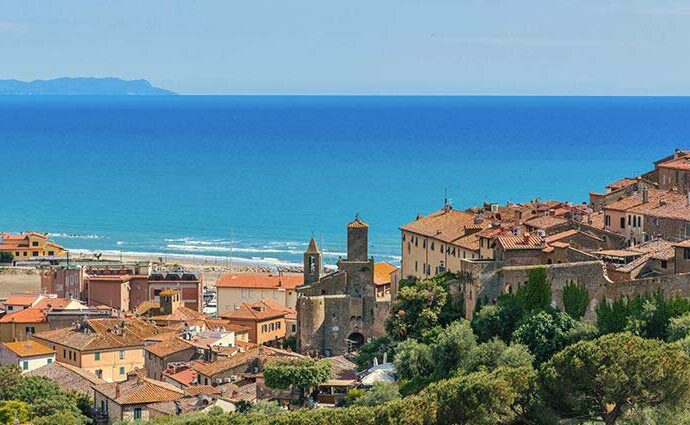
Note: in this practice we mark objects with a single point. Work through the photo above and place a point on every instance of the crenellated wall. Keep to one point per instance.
(488, 280)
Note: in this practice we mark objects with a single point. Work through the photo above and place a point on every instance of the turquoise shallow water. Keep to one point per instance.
(256, 177)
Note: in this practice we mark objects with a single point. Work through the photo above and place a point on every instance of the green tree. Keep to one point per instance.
(61, 418)
(679, 327)
(375, 348)
(453, 348)
(10, 377)
(483, 397)
(378, 395)
(491, 355)
(14, 409)
(266, 407)
(575, 300)
(413, 359)
(603, 378)
(544, 334)
(416, 309)
(499, 320)
(6, 257)
(536, 294)
(301, 373)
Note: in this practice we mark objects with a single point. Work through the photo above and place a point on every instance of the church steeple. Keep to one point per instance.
(313, 263)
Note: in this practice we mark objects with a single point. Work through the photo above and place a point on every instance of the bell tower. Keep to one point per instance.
(313, 263)
(357, 240)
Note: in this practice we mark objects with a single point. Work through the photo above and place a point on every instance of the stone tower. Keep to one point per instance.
(313, 263)
(357, 240)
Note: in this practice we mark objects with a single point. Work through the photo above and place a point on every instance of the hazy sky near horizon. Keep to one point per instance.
(587, 47)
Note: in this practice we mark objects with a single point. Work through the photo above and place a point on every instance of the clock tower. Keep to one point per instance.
(313, 264)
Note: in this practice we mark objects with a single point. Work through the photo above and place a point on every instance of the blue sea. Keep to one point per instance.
(253, 178)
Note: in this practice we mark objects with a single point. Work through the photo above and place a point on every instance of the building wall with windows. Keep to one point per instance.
(111, 365)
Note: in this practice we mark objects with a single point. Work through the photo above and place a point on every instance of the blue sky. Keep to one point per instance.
(585, 47)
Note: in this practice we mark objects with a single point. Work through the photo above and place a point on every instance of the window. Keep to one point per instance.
(278, 325)
(629, 220)
(607, 220)
(432, 245)
(50, 361)
(137, 413)
(51, 252)
(622, 222)
(263, 328)
(16, 254)
(34, 253)
(24, 253)
(25, 365)
(122, 370)
(273, 327)
(686, 253)
(294, 327)
(415, 266)
(64, 354)
(99, 373)
(30, 330)
(34, 243)
(96, 356)
(122, 354)
(664, 264)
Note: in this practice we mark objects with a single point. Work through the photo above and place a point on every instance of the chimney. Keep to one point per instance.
(645, 195)
(117, 391)
(525, 238)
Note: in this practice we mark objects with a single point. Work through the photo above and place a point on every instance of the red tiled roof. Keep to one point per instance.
(169, 347)
(28, 315)
(197, 390)
(545, 222)
(257, 311)
(212, 369)
(357, 223)
(24, 300)
(28, 348)
(446, 224)
(382, 273)
(519, 242)
(140, 391)
(681, 163)
(654, 197)
(264, 281)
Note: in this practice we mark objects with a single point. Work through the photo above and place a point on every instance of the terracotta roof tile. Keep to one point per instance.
(213, 369)
(140, 391)
(169, 347)
(24, 300)
(196, 390)
(102, 334)
(256, 311)
(68, 377)
(681, 163)
(446, 224)
(28, 348)
(357, 223)
(28, 315)
(519, 242)
(382, 273)
(545, 222)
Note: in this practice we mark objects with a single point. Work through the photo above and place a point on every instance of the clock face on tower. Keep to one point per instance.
(312, 265)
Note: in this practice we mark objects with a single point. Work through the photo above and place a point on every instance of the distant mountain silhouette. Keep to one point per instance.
(81, 86)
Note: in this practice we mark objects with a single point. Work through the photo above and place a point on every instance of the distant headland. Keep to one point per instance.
(81, 86)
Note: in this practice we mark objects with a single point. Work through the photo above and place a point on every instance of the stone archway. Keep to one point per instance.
(354, 341)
